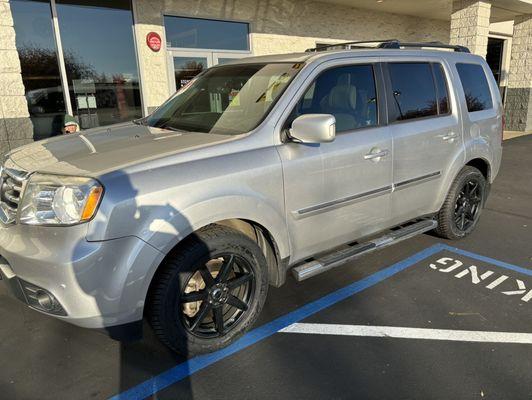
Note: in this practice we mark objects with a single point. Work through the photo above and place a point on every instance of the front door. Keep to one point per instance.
(340, 191)
(184, 65)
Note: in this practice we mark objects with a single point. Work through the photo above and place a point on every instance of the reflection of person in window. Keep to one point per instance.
(70, 125)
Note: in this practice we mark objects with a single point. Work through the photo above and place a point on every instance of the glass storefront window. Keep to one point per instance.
(99, 61)
(40, 70)
(99, 53)
(201, 33)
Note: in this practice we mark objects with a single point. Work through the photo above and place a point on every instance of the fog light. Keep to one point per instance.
(45, 300)
(41, 299)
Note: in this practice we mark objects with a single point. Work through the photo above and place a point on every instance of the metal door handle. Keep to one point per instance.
(372, 156)
(450, 136)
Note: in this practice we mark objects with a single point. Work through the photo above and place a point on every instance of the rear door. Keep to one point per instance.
(337, 192)
(427, 135)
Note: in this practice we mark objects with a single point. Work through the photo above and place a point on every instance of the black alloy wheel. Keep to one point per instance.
(224, 297)
(208, 291)
(463, 204)
(468, 205)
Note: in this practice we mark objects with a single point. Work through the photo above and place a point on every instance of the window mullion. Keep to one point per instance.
(61, 59)
(436, 90)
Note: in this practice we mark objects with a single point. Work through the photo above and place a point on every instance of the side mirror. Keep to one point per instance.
(313, 128)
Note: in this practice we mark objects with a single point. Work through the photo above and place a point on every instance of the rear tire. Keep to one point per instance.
(208, 291)
(461, 210)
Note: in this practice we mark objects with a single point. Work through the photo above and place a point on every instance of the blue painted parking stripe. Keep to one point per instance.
(488, 260)
(187, 368)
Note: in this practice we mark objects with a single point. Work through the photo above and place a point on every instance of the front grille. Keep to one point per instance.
(11, 183)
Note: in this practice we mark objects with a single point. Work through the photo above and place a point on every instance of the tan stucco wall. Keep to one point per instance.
(277, 26)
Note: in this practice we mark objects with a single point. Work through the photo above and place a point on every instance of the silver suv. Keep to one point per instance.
(296, 162)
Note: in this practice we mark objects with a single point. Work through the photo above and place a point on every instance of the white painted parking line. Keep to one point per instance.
(409, 333)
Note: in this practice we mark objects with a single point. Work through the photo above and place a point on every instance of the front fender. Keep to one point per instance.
(164, 234)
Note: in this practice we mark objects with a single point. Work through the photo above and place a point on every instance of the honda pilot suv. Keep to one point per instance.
(296, 162)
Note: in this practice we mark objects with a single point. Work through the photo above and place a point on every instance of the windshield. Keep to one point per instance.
(228, 100)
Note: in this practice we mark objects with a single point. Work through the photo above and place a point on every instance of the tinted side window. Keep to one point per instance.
(347, 92)
(441, 87)
(413, 90)
(476, 88)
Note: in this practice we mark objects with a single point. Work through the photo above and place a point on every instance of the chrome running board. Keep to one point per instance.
(342, 256)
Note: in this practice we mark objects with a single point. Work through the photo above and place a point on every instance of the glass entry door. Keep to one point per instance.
(184, 65)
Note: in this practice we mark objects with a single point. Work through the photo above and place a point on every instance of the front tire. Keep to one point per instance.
(209, 291)
(461, 210)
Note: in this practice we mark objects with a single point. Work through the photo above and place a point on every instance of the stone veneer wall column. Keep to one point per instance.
(16, 128)
(470, 25)
(153, 67)
(519, 91)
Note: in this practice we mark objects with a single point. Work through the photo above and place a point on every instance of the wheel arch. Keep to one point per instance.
(277, 266)
(271, 239)
(460, 161)
(482, 165)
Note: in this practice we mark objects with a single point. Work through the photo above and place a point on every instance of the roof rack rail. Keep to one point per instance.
(345, 44)
(395, 44)
(391, 44)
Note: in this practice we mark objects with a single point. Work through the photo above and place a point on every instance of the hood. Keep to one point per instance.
(96, 151)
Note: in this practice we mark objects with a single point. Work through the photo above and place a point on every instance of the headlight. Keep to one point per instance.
(59, 200)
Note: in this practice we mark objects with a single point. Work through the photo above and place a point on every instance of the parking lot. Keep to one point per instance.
(426, 319)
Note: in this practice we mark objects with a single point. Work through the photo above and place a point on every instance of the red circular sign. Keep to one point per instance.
(154, 41)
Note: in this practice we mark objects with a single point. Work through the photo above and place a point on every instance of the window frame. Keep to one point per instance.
(392, 107)
(211, 49)
(493, 100)
(272, 106)
(379, 92)
(446, 79)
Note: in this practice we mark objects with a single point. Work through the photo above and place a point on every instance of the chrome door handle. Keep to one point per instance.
(450, 136)
(376, 155)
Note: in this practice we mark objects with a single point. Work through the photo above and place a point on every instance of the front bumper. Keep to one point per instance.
(35, 297)
(94, 284)
(11, 281)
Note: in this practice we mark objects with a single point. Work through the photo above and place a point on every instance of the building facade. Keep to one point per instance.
(106, 62)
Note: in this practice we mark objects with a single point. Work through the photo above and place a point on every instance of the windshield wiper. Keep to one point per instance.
(140, 121)
(171, 128)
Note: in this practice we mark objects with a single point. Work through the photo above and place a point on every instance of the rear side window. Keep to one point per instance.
(476, 88)
(346, 92)
(413, 90)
